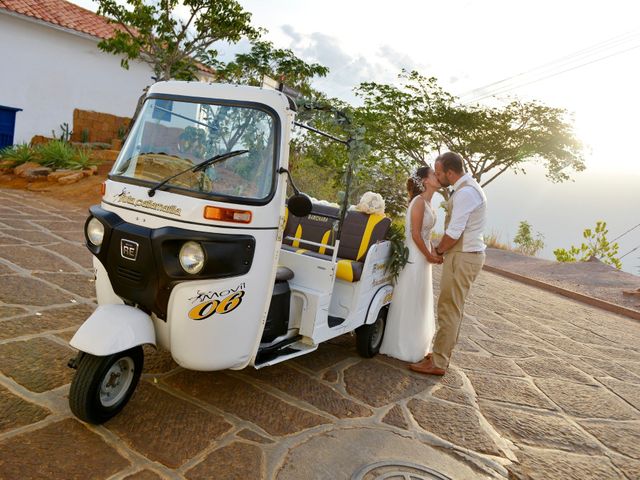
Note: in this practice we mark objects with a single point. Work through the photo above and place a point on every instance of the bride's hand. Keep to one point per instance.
(437, 259)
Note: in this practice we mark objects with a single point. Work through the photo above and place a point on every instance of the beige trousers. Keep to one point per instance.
(459, 271)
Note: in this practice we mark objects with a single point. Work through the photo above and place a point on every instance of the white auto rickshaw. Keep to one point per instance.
(197, 250)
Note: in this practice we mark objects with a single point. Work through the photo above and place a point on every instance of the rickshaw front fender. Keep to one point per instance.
(112, 329)
(381, 298)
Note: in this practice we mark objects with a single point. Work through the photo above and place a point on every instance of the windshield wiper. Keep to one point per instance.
(197, 168)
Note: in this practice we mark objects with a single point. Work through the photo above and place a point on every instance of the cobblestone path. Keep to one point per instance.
(541, 387)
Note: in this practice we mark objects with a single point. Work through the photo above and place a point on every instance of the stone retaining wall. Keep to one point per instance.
(102, 127)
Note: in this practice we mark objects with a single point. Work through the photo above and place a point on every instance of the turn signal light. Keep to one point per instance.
(227, 215)
(103, 188)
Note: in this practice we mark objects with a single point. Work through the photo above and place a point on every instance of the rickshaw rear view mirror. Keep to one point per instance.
(299, 204)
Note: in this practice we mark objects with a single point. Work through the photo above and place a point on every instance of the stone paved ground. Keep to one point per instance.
(541, 387)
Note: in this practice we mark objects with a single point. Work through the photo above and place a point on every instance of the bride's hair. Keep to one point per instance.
(414, 182)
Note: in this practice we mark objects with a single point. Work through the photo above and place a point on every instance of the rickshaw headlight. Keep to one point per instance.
(95, 231)
(191, 257)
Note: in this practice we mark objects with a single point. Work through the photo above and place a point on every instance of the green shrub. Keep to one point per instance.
(525, 243)
(56, 154)
(595, 245)
(19, 154)
(81, 160)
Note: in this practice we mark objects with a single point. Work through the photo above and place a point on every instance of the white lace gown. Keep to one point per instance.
(411, 319)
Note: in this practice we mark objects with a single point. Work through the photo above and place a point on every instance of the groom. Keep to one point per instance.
(463, 250)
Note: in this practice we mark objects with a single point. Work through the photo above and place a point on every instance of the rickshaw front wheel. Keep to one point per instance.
(102, 386)
(369, 337)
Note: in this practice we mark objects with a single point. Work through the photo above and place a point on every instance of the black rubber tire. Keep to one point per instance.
(84, 395)
(365, 335)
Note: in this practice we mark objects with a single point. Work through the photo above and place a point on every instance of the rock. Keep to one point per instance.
(55, 176)
(71, 451)
(183, 434)
(587, 401)
(623, 437)
(72, 178)
(40, 173)
(237, 460)
(534, 464)
(6, 166)
(91, 170)
(538, 429)
(21, 170)
(40, 140)
(455, 423)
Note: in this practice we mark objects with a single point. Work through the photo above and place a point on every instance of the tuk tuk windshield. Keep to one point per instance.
(171, 136)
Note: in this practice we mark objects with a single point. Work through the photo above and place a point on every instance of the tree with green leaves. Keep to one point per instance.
(151, 32)
(408, 123)
(280, 64)
(595, 245)
(525, 242)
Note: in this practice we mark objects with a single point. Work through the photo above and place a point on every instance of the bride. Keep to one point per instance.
(411, 320)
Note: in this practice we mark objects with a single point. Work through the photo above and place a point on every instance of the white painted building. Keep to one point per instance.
(50, 64)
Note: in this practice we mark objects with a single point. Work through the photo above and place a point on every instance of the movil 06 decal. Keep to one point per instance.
(216, 303)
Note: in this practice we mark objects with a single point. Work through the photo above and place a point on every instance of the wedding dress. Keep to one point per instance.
(411, 319)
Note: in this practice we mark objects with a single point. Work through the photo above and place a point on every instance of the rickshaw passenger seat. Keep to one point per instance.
(359, 232)
(315, 227)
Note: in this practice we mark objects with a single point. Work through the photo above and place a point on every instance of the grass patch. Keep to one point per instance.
(492, 240)
(56, 154)
(19, 154)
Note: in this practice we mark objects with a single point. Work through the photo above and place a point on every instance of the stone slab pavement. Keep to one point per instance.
(540, 387)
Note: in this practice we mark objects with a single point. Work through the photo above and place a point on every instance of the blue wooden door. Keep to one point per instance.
(7, 125)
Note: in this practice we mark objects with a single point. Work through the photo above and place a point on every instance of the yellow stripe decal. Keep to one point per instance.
(286, 216)
(345, 270)
(298, 234)
(374, 219)
(325, 240)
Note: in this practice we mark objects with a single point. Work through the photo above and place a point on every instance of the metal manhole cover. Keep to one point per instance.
(397, 470)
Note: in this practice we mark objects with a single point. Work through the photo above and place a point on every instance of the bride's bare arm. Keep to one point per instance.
(417, 215)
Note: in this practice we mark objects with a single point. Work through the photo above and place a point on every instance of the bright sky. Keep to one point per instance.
(469, 44)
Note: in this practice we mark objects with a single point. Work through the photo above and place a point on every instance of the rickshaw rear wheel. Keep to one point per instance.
(102, 386)
(369, 337)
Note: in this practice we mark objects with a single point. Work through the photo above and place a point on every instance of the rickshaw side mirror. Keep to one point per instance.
(300, 204)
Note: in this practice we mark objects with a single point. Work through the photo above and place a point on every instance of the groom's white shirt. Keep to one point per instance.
(468, 214)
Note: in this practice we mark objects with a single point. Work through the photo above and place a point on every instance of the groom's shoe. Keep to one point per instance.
(427, 367)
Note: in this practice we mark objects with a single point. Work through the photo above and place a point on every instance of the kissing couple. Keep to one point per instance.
(412, 333)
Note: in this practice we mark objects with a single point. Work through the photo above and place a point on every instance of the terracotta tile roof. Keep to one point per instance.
(62, 13)
(69, 15)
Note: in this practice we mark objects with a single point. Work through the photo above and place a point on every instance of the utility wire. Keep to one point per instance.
(559, 62)
(620, 236)
(551, 75)
(630, 251)
(567, 59)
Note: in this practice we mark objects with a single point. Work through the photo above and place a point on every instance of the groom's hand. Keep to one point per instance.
(431, 258)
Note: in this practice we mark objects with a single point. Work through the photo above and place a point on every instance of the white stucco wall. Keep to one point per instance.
(49, 72)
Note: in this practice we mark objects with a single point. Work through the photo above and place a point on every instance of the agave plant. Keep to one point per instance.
(56, 154)
(19, 154)
(82, 159)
